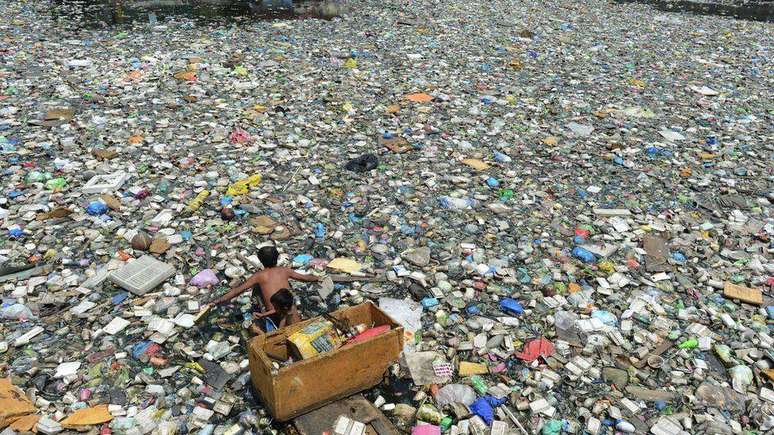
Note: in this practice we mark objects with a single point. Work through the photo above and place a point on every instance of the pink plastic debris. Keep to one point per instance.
(205, 278)
(239, 136)
(426, 429)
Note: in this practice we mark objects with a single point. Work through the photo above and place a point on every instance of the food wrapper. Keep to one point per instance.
(314, 339)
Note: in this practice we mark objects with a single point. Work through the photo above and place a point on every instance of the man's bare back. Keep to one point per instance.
(270, 280)
(275, 279)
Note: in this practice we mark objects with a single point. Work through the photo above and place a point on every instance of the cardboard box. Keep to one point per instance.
(309, 384)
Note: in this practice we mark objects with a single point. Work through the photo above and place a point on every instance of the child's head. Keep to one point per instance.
(282, 300)
(268, 256)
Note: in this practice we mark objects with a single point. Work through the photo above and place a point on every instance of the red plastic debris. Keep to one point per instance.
(239, 136)
(535, 349)
(373, 332)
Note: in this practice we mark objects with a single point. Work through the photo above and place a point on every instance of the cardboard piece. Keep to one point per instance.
(87, 417)
(25, 423)
(744, 294)
(356, 408)
(345, 265)
(13, 403)
(476, 164)
(419, 97)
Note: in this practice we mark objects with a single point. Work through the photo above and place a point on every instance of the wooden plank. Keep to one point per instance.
(744, 294)
(355, 407)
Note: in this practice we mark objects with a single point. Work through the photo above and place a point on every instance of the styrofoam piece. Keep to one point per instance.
(105, 183)
(142, 275)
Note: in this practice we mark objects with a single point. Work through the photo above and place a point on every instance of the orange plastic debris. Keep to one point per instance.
(419, 97)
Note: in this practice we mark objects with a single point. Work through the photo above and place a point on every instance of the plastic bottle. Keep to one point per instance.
(450, 203)
(479, 384)
(511, 306)
(163, 186)
(319, 231)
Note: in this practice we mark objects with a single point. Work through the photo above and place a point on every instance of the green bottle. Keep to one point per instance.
(446, 423)
(478, 384)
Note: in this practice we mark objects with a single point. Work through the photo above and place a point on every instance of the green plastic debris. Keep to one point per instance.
(552, 427)
(479, 384)
(56, 183)
(446, 423)
(691, 343)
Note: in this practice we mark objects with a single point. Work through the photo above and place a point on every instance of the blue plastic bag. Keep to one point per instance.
(583, 255)
(511, 306)
(96, 208)
(483, 409)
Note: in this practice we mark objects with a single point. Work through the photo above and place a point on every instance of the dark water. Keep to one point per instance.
(746, 10)
(97, 13)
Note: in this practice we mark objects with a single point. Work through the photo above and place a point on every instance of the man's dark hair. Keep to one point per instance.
(268, 256)
(282, 300)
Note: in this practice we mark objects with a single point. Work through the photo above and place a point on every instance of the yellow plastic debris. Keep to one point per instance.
(345, 265)
(470, 369)
(350, 63)
(197, 202)
(476, 164)
(242, 187)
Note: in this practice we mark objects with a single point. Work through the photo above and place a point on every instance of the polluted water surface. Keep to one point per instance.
(100, 13)
(746, 10)
(566, 209)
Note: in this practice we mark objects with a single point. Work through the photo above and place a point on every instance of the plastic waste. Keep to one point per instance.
(364, 163)
(17, 312)
(452, 393)
(741, 377)
(583, 254)
(457, 203)
(205, 278)
(96, 208)
(511, 306)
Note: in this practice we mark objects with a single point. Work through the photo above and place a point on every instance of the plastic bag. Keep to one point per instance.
(205, 278)
(511, 306)
(17, 312)
(407, 313)
(483, 409)
(741, 377)
(455, 393)
(457, 203)
(364, 163)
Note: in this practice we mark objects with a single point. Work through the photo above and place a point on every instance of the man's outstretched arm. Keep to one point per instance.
(235, 291)
(302, 276)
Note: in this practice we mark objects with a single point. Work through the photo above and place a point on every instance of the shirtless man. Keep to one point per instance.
(272, 283)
